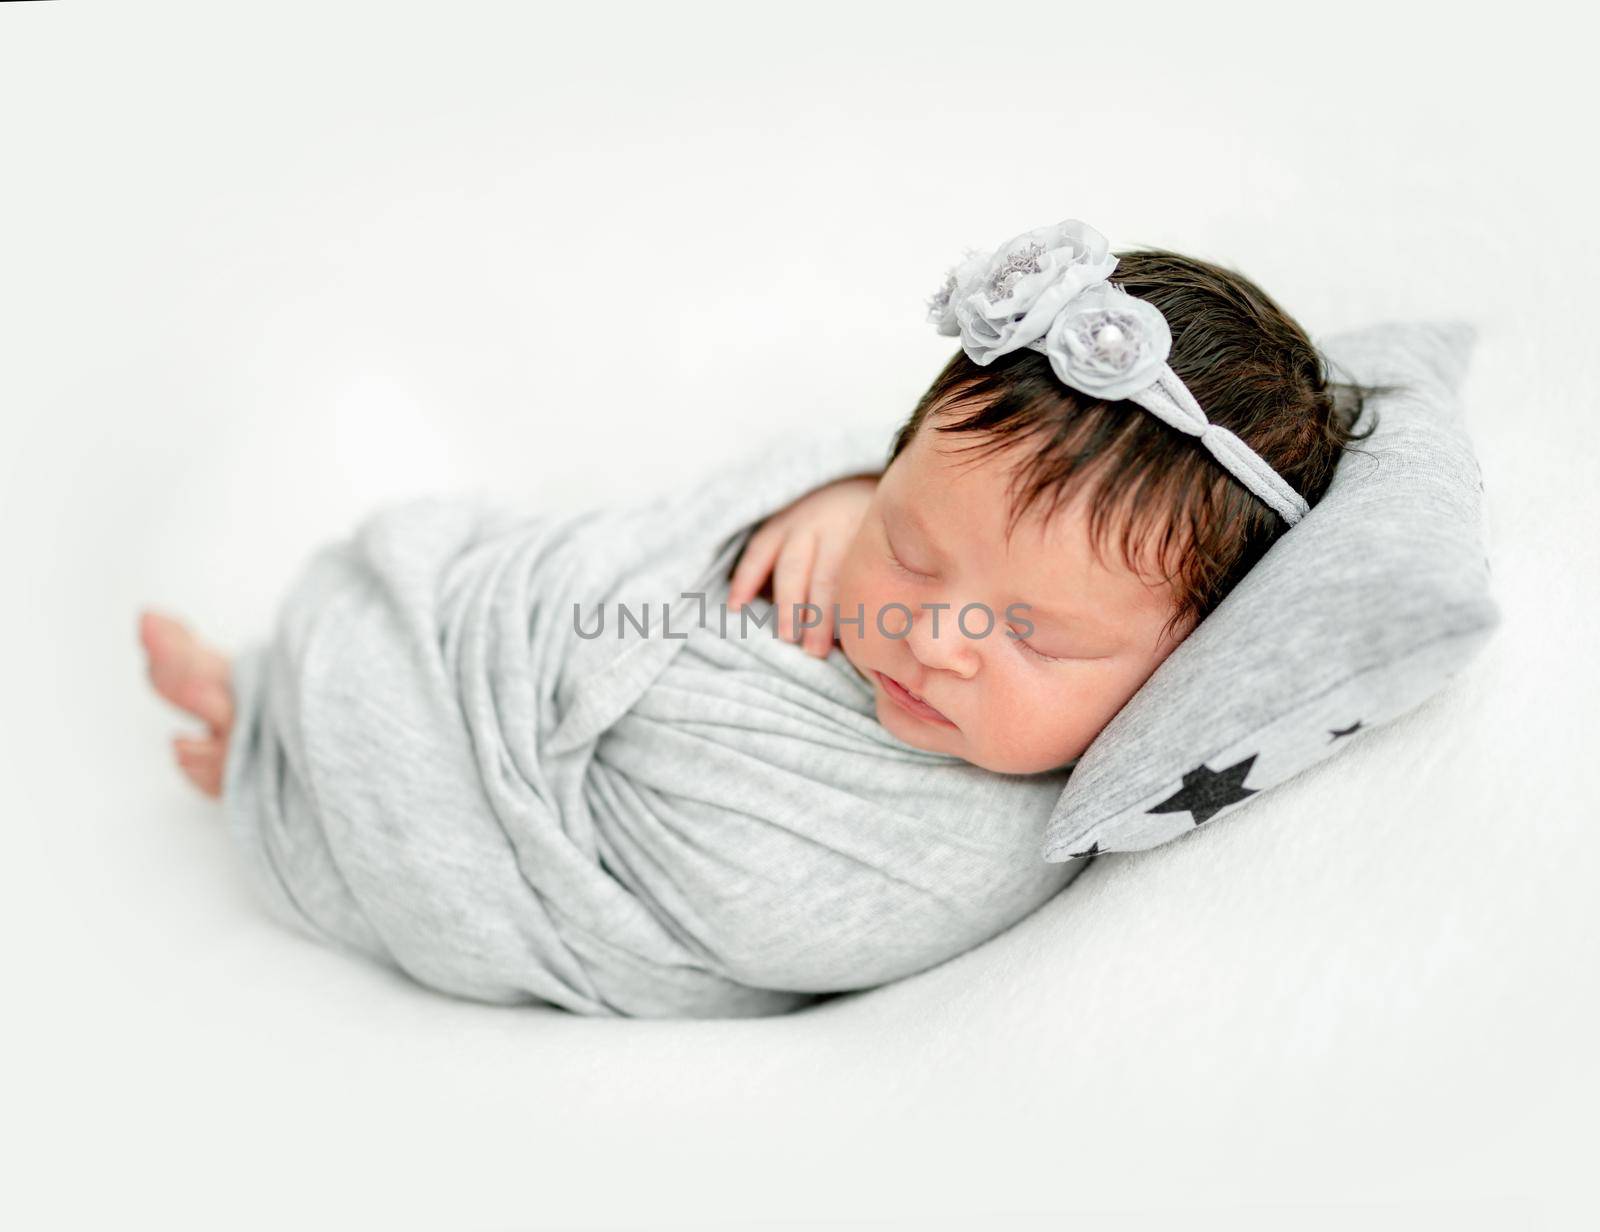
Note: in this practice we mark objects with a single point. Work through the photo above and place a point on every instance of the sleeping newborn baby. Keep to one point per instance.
(798, 729)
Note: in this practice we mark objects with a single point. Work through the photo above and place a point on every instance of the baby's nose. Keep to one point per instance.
(938, 642)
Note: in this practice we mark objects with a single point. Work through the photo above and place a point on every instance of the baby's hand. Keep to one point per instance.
(807, 540)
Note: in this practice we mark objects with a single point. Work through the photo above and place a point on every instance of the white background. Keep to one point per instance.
(263, 266)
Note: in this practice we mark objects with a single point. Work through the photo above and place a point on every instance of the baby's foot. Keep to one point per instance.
(198, 680)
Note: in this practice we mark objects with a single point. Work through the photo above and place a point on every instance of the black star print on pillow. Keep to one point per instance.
(1207, 792)
(1093, 849)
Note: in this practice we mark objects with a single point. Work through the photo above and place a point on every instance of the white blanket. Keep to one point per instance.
(458, 756)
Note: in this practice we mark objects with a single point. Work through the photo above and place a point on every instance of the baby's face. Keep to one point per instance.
(935, 534)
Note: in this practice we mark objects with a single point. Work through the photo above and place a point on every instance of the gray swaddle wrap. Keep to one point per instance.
(431, 766)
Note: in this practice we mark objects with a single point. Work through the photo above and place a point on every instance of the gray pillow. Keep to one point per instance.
(1355, 616)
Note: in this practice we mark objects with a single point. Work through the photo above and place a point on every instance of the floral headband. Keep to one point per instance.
(1048, 289)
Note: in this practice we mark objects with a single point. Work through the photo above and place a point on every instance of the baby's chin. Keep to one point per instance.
(914, 731)
(970, 748)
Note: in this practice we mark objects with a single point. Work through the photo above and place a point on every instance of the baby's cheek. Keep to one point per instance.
(1027, 731)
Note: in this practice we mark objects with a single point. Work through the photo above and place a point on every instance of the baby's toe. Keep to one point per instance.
(204, 779)
(201, 760)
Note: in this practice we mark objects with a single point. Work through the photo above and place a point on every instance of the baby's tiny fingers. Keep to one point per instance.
(789, 581)
(754, 565)
(819, 638)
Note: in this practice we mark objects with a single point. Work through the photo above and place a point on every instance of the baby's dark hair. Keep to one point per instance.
(1249, 365)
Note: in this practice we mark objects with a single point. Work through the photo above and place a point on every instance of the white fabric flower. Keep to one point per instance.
(1107, 344)
(1008, 300)
(941, 306)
